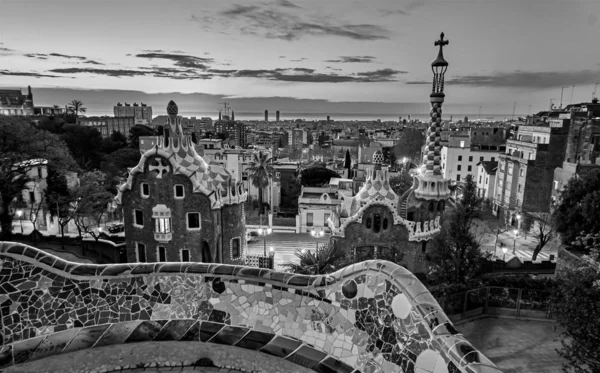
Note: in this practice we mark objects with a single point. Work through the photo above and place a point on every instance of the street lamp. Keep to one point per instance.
(516, 232)
(264, 232)
(317, 235)
(19, 214)
(504, 250)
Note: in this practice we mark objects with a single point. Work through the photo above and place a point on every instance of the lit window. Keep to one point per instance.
(145, 190)
(185, 255)
(162, 225)
(278, 175)
(193, 220)
(462, 144)
(138, 218)
(161, 254)
(141, 252)
(522, 172)
(179, 191)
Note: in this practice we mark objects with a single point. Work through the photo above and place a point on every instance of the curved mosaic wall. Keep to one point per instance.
(370, 317)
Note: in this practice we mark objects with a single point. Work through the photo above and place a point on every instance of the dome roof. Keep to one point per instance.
(172, 108)
(378, 157)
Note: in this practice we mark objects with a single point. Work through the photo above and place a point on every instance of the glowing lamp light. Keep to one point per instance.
(19, 213)
(504, 250)
(269, 230)
(515, 232)
(271, 249)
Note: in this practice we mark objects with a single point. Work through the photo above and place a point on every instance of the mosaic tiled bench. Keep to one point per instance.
(370, 317)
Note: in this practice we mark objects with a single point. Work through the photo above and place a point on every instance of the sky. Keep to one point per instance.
(266, 52)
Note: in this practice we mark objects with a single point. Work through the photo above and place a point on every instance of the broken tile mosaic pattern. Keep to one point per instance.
(371, 317)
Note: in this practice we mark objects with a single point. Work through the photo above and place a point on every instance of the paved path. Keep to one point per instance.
(285, 245)
(516, 345)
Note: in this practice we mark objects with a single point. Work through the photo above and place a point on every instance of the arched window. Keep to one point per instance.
(385, 223)
(431, 208)
(424, 246)
(369, 223)
(376, 223)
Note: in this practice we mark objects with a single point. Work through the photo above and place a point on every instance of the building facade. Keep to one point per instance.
(141, 113)
(14, 103)
(486, 179)
(107, 125)
(235, 130)
(377, 223)
(526, 171)
(177, 207)
(460, 157)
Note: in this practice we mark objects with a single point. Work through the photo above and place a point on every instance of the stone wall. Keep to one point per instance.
(371, 317)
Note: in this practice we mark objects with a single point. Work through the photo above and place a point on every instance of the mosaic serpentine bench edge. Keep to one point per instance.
(438, 325)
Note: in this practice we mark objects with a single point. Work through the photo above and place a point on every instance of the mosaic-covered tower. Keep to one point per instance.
(377, 223)
(177, 207)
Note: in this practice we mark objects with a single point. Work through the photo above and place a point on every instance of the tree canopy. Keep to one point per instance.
(316, 176)
(261, 171)
(136, 132)
(20, 143)
(579, 208)
(455, 256)
(401, 183)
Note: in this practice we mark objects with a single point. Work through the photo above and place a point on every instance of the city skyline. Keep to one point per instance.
(267, 52)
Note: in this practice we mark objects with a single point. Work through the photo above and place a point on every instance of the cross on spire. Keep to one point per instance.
(441, 42)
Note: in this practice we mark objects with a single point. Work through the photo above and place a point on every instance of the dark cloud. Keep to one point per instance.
(92, 62)
(66, 56)
(181, 60)
(39, 56)
(281, 23)
(523, 79)
(418, 82)
(310, 76)
(107, 72)
(405, 11)
(287, 4)
(381, 74)
(299, 59)
(353, 59)
(29, 74)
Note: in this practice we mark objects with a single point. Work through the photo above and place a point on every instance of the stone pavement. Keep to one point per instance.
(154, 357)
(516, 345)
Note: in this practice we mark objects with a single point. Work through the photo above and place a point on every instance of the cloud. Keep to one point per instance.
(407, 10)
(181, 60)
(6, 51)
(29, 74)
(39, 56)
(66, 56)
(299, 59)
(353, 59)
(287, 4)
(381, 74)
(304, 75)
(107, 72)
(92, 62)
(281, 23)
(523, 79)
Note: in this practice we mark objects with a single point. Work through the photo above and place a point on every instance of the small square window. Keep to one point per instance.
(460, 157)
(179, 191)
(457, 177)
(469, 168)
(138, 218)
(193, 220)
(162, 254)
(470, 158)
(278, 175)
(145, 190)
(480, 159)
(185, 255)
(141, 252)
(458, 168)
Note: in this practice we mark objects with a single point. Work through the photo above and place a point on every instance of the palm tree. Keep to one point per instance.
(328, 258)
(76, 107)
(260, 172)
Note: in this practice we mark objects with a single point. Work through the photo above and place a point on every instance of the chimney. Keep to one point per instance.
(219, 115)
(266, 115)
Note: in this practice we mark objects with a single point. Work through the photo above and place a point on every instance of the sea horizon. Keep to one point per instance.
(387, 117)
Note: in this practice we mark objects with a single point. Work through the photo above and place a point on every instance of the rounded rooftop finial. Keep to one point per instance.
(440, 61)
(172, 108)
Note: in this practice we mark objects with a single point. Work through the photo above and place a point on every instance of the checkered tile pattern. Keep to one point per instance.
(432, 159)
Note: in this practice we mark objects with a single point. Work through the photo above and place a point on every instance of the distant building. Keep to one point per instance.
(526, 171)
(142, 113)
(13, 102)
(486, 178)
(235, 130)
(177, 207)
(460, 157)
(107, 125)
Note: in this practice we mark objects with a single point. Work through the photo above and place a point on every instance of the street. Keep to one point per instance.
(284, 245)
(523, 246)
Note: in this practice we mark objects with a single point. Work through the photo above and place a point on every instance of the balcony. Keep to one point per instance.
(163, 237)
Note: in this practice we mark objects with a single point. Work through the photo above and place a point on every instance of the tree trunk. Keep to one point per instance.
(6, 219)
(260, 201)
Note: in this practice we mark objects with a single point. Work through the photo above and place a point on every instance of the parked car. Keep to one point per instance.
(116, 228)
